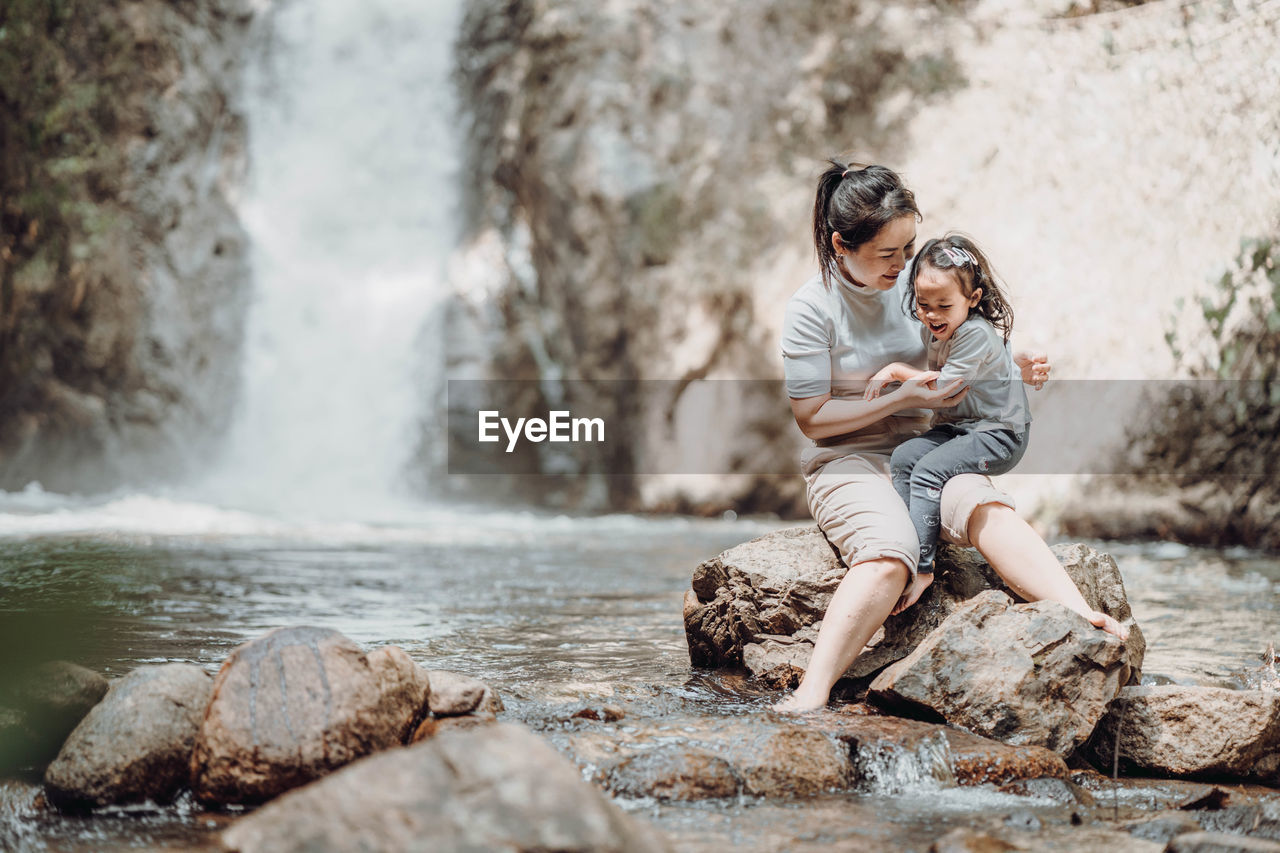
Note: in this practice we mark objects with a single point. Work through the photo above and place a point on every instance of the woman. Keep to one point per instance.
(841, 327)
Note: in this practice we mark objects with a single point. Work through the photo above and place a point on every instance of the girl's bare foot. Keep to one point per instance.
(801, 702)
(1101, 620)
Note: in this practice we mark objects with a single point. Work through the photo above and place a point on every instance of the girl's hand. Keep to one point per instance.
(918, 392)
(912, 593)
(876, 383)
(1035, 367)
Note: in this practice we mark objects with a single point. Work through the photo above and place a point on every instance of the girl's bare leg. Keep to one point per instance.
(859, 606)
(1022, 558)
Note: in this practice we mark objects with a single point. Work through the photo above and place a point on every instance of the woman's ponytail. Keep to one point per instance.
(855, 201)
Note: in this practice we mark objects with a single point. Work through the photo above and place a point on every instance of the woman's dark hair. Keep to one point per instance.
(957, 254)
(856, 201)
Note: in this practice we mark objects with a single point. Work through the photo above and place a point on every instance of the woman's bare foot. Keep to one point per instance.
(801, 702)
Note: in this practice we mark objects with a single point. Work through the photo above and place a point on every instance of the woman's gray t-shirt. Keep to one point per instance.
(835, 338)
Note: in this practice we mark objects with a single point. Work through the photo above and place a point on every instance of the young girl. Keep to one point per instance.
(966, 324)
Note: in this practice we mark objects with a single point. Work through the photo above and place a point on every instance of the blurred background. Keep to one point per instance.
(247, 243)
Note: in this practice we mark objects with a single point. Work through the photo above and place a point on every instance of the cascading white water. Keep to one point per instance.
(351, 211)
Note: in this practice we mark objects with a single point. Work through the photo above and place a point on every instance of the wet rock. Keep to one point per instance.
(793, 762)
(1216, 842)
(604, 714)
(454, 694)
(136, 743)
(41, 708)
(1164, 827)
(675, 773)
(495, 788)
(432, 726)
(1062, 791)
(885, 745)
(688, 758)
(759, 604)
(1024, 674)
(965, 840)
(1192, 731)
(297, 703)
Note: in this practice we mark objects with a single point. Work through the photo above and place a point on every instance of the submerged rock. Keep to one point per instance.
(1190, 731)
(44, 705)
(1026, 674)
(759, 604)
(297, 703)
(500, 787)
(136, 743)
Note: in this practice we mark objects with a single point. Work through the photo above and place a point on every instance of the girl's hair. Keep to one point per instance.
(959, 255)
(856, 201)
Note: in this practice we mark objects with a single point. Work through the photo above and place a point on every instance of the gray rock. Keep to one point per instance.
(136, 743)
(454, 694)
(1191, 731)
(297, 703)
(1021, 674)
(42, 708)
(759, 604)
(499, 787)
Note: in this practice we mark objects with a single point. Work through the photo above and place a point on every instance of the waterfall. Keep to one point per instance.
(351, 212)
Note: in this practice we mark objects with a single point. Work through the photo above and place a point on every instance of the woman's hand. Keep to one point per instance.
(919, 392)
(912, 594)
(1035, 367)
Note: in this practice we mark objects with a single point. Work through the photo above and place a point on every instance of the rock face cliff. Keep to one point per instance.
(123, 267)
(632, 175)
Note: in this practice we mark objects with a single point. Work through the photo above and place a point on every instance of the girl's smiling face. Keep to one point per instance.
(940, 301)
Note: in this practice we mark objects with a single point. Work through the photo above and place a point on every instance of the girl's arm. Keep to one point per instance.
(823, 416)
(895, 372)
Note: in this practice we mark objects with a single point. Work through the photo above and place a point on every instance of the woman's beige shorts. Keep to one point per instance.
(852, 498)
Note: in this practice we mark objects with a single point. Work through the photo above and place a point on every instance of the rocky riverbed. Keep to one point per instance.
(579, 662)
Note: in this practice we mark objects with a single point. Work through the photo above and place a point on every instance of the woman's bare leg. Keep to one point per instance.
(859, 606)
(1022, 558)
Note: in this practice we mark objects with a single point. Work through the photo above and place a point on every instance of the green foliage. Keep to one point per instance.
(1241, 318)
(69, 73)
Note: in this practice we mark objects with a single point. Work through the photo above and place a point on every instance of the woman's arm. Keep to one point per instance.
(824, 416)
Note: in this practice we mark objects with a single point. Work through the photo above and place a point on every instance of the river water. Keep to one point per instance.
(557, 613)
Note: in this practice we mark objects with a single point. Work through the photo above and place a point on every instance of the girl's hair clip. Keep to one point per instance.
(957, 256)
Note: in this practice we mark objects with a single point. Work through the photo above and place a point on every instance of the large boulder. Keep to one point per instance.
(136, 743)
(1195, 732)
(759, 604)
(499, 787)
(41, 707)
(1026, 674)
(297, 703)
